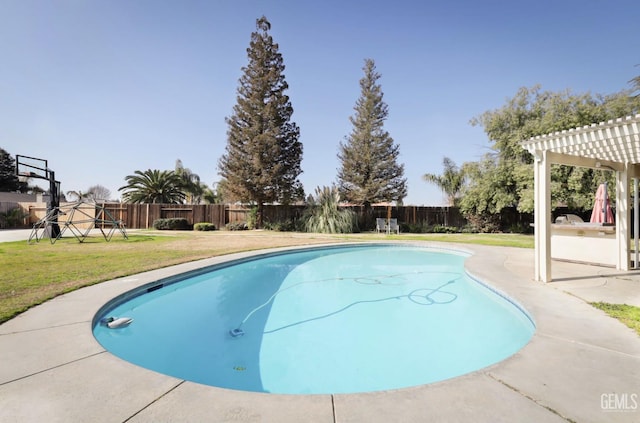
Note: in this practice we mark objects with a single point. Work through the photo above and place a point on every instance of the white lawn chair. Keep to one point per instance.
(393, 226)
(381, 225)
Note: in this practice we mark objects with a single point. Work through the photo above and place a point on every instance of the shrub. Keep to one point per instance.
(287, 225)
(324, 215)
(414, 228)
(237, 226)
(252, 218)
(520, 228)
(12, 218)
(424, 227)
(468, 229)
(484, 223)
(441, 229)
(172, 224)
(204, 226)
(404, 227)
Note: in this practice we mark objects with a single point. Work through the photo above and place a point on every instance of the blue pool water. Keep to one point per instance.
(330, 320)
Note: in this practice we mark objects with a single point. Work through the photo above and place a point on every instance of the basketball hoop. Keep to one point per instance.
(38, 168)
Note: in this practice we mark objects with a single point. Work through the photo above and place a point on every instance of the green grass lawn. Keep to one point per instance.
(627, 314)
(35, 273)
(501, 240)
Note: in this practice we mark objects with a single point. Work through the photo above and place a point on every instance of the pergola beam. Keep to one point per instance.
(572, 160)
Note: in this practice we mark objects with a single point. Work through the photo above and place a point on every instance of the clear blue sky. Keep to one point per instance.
(103, 88)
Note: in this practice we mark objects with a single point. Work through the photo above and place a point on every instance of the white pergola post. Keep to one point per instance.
(622, 217)
(542, 223)
(636, 226)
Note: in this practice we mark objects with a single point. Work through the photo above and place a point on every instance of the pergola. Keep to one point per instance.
(614, 145)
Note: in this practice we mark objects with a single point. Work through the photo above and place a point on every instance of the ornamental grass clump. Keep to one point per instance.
(324, 214)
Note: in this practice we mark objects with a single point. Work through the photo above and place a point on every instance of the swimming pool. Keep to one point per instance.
(344, 319)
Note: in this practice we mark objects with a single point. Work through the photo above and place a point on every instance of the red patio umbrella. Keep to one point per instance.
(601, 205)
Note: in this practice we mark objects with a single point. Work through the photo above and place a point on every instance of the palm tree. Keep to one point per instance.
(190, 183)
(450, 182)
(210, 195)
(153, 186)
(78, 195)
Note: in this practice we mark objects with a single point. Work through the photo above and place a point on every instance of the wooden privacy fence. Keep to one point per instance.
(413, 215)
(410, 215)
(278, 213)
(142, 216)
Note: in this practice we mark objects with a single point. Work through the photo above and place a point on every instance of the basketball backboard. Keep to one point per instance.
(31, 167)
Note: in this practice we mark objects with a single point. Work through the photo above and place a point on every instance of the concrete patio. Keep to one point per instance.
(580, 366)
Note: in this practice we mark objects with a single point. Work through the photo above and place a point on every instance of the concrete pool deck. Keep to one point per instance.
(580, 366)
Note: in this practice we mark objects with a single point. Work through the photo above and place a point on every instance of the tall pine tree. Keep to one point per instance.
(370, 172)
(263, 153)
(8, 179)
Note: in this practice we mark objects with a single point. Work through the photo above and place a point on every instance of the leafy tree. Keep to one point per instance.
(8, 179)
(369, 170)
(224, 193)
(263, 155)
(450, 182)
(504, 177)
(153, 186)
(635, 84)
(99, 193)
(33, 189)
